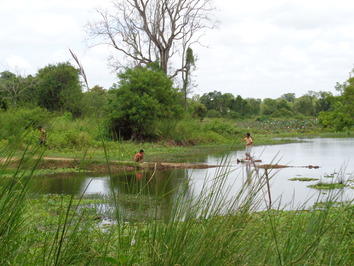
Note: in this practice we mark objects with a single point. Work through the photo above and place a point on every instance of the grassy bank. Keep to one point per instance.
(89, 139)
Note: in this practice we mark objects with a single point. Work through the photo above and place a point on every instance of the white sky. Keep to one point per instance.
(261, 48)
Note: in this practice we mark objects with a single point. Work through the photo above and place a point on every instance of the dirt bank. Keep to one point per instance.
(104, 167)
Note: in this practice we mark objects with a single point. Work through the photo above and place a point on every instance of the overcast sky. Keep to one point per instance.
(261, 48)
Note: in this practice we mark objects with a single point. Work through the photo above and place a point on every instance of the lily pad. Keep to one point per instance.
(327, 186)
(303, 179)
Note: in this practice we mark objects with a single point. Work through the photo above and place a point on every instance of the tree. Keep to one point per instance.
(15, 89)
(289, 97)
(305, 105)
(60, 88)
(238, 105)
(348, 98)
(94, 102)
(341, 113)
(147, 31)
(269, 106)
(144, 96)
(254, 106)
(186, 75)
(323, 102)
(199, 110)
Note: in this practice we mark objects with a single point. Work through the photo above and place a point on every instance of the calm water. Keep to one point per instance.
(140, 196)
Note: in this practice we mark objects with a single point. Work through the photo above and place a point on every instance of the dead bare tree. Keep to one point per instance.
(147, 31)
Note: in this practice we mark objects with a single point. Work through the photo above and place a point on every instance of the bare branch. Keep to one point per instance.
(81, 68)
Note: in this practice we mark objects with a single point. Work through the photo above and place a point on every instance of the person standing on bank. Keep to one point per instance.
(42, 136)
(249, 144)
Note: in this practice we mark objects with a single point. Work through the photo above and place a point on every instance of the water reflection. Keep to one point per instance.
(138, 195)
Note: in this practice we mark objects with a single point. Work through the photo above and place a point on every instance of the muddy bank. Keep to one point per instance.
(104, 167)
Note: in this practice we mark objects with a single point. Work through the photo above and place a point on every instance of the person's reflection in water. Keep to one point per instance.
(248, 173)
(139, 175)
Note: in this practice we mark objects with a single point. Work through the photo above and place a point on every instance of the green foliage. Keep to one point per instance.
(16, 90)
(199, 110)
(192, 131)
(341, 114)
(17, 122)
(143, 97)
(94, 102)
(289, 97)
(59, 88)
(276, 108)
(337, 119)
(305, 105)
(68, 133)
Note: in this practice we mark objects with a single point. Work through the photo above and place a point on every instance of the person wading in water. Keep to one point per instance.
(249, 144)
(139, 156)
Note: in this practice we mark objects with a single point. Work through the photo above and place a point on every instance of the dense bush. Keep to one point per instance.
(192, 131)
(340, 115)
(17, 122)
(67, 132)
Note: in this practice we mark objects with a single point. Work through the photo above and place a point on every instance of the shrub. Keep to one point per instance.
(66, 132)
(143, 97)
(221, 127)
(16, 122)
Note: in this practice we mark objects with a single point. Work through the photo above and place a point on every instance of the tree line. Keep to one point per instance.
(287, 105)
(146, 95)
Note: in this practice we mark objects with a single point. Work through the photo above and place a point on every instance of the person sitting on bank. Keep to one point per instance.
(139, 156)
(42, 136)
(249, 144)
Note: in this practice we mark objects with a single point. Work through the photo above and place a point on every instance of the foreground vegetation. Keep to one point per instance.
(60, 230)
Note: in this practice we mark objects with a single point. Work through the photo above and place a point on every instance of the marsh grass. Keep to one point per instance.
(216, 227)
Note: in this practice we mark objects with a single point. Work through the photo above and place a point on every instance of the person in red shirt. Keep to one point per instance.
(139, 156)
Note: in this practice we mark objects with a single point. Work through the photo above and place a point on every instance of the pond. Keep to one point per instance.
(147, 194)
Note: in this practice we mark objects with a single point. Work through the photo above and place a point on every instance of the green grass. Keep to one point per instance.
(303, 179)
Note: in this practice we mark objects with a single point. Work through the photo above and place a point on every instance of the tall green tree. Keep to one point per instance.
(305, 105)
(94, 102)
(60, 88)
(217, 101)
(143, 96)
(289, 97)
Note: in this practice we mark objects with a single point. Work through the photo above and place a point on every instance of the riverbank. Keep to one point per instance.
(116, 156)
